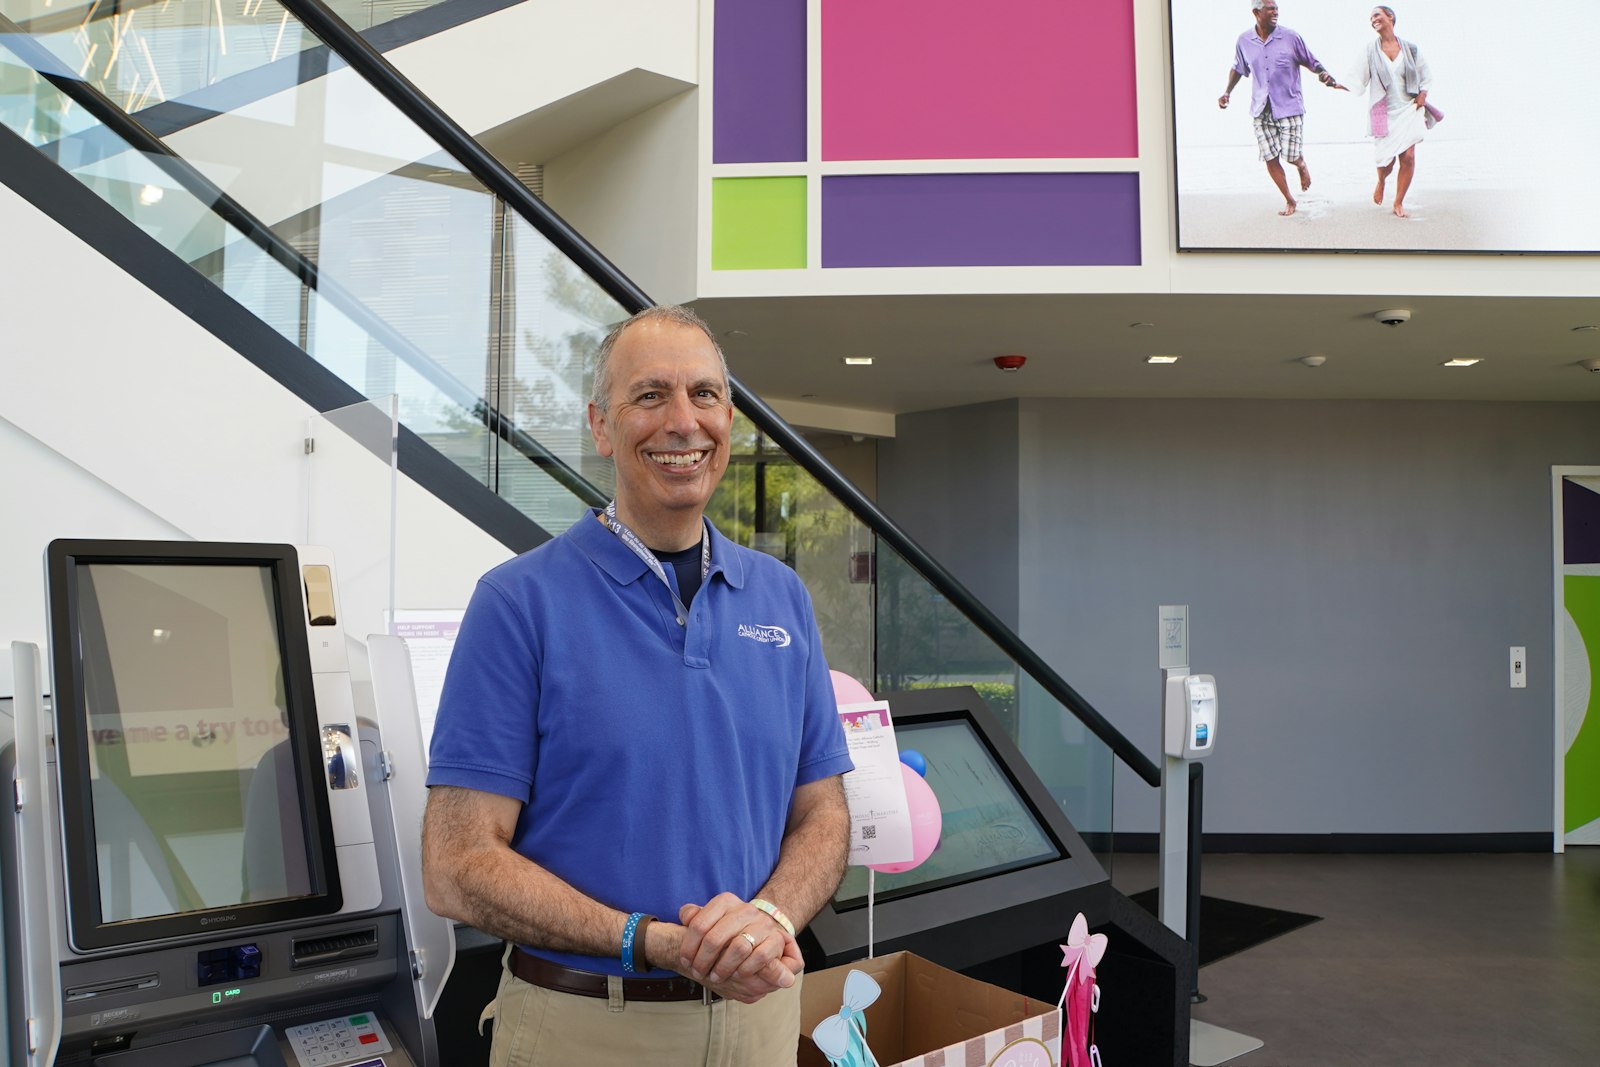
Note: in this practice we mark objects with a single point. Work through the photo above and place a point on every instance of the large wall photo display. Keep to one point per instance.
(1497, 158)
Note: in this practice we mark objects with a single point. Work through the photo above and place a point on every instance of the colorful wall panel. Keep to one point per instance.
(1578, 619)
(979, 220)
(759, 109)
(922, 133)
(952, 79)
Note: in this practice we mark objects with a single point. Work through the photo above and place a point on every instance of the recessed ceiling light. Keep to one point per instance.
(1585, 329)
(808, 396)
(856, 361)
(1314, 360)
(1460, 362)
(1161, 359)
(1140, 325)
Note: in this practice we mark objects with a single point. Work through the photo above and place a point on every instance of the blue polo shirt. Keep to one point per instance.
(655, 762)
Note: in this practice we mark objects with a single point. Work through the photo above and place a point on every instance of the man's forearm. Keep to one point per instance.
(471, 874)
(812, 859)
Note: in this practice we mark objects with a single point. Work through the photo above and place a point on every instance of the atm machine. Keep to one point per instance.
(213, 858)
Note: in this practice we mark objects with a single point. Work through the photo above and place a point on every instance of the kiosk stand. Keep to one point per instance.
(1188, 733)
(212, 851)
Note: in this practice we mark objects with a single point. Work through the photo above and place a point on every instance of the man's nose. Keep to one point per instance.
(681, 414)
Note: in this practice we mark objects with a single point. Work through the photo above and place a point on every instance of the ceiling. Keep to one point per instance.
(938, 351)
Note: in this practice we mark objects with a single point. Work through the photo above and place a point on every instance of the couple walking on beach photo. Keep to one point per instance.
(1392, 72)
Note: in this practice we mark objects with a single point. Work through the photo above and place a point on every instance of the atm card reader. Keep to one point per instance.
(1191, 716)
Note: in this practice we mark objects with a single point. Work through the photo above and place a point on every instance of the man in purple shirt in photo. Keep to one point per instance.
(1271, 57)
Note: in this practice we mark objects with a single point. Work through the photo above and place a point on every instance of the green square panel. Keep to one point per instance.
(758, 223)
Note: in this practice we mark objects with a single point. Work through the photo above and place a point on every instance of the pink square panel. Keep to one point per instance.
(953, 79)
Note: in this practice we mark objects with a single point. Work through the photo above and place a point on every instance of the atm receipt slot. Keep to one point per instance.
(1190, 726)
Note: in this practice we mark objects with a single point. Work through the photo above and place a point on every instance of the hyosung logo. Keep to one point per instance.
(767, 635)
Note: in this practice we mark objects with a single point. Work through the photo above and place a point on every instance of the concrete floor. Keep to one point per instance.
(1453, 959)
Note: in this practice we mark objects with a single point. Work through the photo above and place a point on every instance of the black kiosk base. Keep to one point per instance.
(997, 898)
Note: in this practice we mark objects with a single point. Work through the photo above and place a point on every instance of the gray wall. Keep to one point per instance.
(949, 479)
(1356, 573)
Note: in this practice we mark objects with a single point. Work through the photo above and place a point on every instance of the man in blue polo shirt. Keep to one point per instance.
(635, 770)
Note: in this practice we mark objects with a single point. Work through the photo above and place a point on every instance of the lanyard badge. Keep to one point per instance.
(640, 549)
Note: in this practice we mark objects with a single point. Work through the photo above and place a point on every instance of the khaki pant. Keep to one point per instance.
(536, 1027)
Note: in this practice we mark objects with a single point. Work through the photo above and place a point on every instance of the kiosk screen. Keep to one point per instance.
(189, 747)
(988, 828)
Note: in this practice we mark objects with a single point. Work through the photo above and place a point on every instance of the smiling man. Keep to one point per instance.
(1271, 57)
(635, 770)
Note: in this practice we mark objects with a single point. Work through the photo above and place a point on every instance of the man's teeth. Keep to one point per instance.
(678, 459)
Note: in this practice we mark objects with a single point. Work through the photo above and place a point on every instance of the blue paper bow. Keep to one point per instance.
(843, 1037)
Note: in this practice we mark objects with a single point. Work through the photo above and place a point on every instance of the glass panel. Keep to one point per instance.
(925, 643)
(550, 325)
(205, 53)
(768, 503)
(333, 218)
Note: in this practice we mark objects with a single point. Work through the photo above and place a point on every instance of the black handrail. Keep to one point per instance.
(47, 65)
(380, 73)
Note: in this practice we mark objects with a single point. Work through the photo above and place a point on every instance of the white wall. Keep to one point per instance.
(632, 193)
(492, 70)
(121, 417)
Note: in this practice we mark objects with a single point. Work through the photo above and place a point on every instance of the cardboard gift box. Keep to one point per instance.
(927, 1016)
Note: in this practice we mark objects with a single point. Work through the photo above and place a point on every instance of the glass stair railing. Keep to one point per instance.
(335, 220)
(375, 235)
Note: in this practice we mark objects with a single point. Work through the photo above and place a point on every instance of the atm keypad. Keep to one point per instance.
(338, 1041)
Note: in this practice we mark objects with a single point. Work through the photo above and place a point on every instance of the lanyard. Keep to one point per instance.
(631, 539)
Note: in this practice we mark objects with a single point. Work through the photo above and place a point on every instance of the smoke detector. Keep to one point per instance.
(1313, 361)
(1010, 364)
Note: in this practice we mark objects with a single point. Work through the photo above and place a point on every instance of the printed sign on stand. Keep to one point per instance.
(880, 818)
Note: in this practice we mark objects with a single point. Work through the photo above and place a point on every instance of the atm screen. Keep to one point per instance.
(189, 742)
(988, 828)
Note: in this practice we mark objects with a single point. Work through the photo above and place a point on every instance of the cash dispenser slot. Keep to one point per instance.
(334, 948)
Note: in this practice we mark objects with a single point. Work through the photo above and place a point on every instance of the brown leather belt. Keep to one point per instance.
(535, 970)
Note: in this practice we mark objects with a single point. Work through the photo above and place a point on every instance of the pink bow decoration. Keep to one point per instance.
(1081, 945)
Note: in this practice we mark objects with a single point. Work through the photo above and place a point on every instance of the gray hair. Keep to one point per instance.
(1387, 10)
(1257, 5)
(600, 392)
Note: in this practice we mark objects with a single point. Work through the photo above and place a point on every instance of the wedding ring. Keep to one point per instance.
(750, 939)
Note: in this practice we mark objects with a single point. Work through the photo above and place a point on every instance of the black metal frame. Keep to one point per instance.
(376, 69)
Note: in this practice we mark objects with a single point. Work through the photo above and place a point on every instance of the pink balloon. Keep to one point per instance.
(846, 690)
(927, 822)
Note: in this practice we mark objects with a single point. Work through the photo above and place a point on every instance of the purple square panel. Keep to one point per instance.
(980, 220)
(758, 113)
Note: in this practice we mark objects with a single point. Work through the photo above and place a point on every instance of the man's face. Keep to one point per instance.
(669, 420)
(1267, 15)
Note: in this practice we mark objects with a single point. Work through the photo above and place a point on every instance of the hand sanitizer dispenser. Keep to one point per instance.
(1191, 716)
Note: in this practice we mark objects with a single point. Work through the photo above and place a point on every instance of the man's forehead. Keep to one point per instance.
(652, 353)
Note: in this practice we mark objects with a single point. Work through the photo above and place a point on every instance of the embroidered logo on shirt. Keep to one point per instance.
(767, 635)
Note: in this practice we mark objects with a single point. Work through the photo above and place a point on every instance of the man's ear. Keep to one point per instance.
(599, 431)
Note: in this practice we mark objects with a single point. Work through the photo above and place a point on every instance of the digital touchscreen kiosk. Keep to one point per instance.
(1008, 860)
(988, 828)
(190, 757)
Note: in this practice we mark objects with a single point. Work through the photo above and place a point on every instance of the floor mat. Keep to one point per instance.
(1228, 927)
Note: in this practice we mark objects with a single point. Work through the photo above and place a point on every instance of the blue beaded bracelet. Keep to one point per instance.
(628, 931)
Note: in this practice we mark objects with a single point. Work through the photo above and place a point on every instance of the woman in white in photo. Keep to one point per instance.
(1397, 80)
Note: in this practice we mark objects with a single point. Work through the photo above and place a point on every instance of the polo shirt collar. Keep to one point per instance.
(608, 552)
